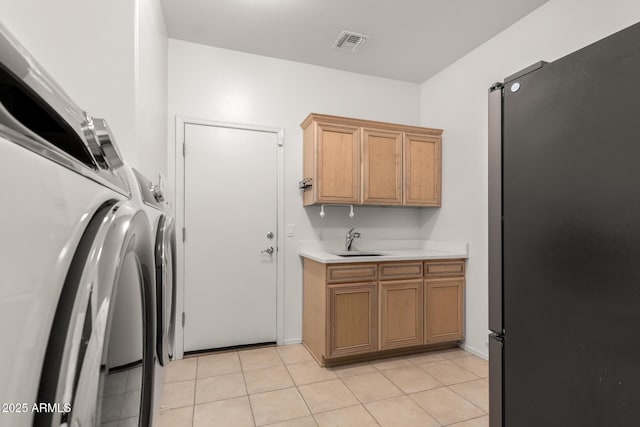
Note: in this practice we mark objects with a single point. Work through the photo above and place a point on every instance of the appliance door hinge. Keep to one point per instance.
(496, 86)
(184, 234)
(183, 319)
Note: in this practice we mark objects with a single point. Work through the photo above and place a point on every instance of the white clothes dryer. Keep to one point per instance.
(76, 257)
(150, 198)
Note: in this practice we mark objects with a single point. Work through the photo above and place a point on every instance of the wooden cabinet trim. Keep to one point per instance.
(343, 273)
(314, 333)
(368, 123)
(399, 318)
(400, 270)
(444, 268)
(309, 166)
(334, 320)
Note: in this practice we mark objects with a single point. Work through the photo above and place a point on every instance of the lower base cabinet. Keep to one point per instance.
(401, 314)
(443, 312)
(360, 309)
(352, 318)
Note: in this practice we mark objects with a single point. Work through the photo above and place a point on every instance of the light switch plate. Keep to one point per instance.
(291, 230)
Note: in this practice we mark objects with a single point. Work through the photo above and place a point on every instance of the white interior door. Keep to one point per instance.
(230, 190)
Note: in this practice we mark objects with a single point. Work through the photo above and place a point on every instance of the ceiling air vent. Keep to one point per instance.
(348, 40)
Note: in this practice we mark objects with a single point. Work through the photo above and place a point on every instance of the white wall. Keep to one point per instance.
(110, 58)
(223, 85)
(456, 100)
(88, 48)
(151, 81)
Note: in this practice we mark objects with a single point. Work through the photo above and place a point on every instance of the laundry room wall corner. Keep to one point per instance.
(113, 64)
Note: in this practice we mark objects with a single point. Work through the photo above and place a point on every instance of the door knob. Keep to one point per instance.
(269, 250)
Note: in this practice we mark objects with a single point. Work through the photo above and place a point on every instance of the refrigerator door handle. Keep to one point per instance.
(495, 209)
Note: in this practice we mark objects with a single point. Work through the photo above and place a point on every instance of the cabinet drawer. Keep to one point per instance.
(400, 270)
(444, 268)
(341, 273)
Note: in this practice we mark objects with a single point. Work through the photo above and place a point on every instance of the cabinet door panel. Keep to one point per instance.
(401, 314)
(352, 319)
(443, 306)
(382, 167)
(422, 170)
(338, 164)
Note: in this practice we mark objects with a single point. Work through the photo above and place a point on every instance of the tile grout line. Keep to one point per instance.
(468, 370)
(470, 381)
(244, 380)
(477, 377)
(195, 385)
(464, 421)
(476, 406)
(294, 385)
(299, 392)
(429, 413)
(417, 391)
(363, 404)
(394, 397)
(452, 390)
(381, 371)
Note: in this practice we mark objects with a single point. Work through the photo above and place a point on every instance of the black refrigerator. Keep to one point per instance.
(564, 240)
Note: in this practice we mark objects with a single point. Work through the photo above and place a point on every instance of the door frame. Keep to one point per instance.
(180, 124)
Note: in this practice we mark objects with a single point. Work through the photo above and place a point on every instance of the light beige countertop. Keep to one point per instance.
(389, 250)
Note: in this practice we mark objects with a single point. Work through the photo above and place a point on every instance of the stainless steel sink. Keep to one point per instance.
(357, 253)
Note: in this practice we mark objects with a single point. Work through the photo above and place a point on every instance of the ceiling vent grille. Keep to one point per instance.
(348, 40)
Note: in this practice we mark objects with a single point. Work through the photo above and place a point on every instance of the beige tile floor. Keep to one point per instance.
(284, 386)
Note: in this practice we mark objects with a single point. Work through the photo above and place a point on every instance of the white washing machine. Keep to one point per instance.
(76, 257)
(150, 198)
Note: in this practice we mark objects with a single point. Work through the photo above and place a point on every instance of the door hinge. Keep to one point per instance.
(183, 319)
(496, 86)
(184, 149)
(184, 234)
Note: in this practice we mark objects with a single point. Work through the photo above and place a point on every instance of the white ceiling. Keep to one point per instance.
(410, 40)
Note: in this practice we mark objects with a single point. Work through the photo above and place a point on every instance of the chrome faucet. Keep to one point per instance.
(350, 236)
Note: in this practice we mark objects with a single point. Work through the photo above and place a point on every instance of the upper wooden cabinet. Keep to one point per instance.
(381, 167)
(334, 159)
(422, 175)
(354, 161)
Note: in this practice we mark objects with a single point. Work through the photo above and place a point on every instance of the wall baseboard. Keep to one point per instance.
(292, 341)
(474, 351)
